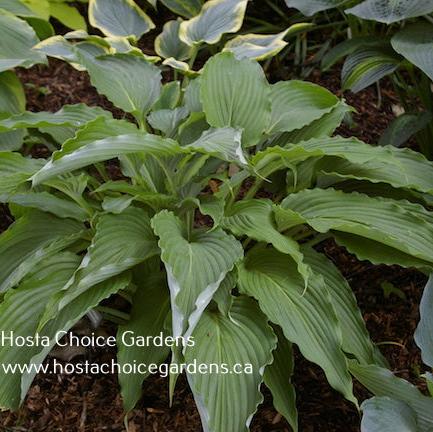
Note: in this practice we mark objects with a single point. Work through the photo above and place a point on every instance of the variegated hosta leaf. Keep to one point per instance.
(181, 67)
(402, 225)
(119, 18)
(306, 316)
(69, 316)
(223, 143)
(383, 414)
(20, 312)
(381, 382)
(356, 339)
(390, 11)
(167, 120)
(235, 93)
(16, 43)
(278, 379)
(310, 7)
(129, 81)
(424, 331)
(196, 265)
(105, 149)
(25, 240)
(296, 104)
(215, 18)
(368, 65)
(351, 158)
(150, 307)
(121, 242)
(256, 46)
(415, 42)
(227, 402)
(254, 218)
(168, 44)
(186, 8)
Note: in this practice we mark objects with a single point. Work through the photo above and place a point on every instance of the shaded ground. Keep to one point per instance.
(92, 403)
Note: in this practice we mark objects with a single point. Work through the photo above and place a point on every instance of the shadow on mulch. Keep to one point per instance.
(92, 403)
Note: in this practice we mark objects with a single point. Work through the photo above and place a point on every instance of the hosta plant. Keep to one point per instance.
(387, 38)
(207, 224)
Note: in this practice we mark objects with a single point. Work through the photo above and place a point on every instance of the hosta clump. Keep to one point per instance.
(247, 283)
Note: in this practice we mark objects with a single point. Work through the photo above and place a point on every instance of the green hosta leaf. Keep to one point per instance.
(167, 120)
(17, 7)
(71, 314)
(121, 242)
(278, 378)
(235, 93)
(368, 65)
(14, 171)
(366, 249)
(325, 126)
(40, 7)
(256, 46)
(310, 7)
(105, 149)
(296, 104)
(356, 339)
(227, 402)
(192, 96)
(195, 265)
(400, 225)
(67, 15)
(12, 97)
(50, 203)
(20, 312)
(391, 10)
(193, 128)
(169, 97)
(12, 101)
(168, 44)
(306, 316)
(73, 116)
(129, 81)
(223, 143)
(381, 382)
(343, 49)
(94, 130)
(404, 127)
(186, 8)
(223, 295)
(383, 414)
(26, 237)
(415, 43)
(119, 18)
(424, 331)
(215, 18)
(351, 158)
(254, 218)
(150, 307)
(16, 43)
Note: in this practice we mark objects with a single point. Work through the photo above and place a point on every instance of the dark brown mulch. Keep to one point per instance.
(93, 404)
